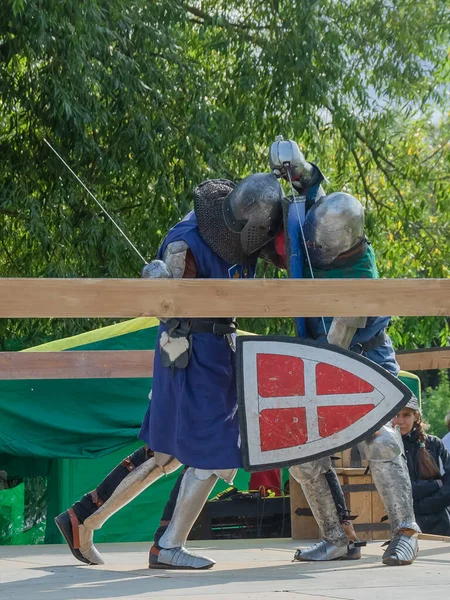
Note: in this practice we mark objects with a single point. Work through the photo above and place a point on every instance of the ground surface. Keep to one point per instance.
(250, 570)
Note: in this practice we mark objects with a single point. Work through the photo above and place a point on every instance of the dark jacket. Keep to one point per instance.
(431, 500)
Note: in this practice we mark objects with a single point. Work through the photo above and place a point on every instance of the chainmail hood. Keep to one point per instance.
(208, 201)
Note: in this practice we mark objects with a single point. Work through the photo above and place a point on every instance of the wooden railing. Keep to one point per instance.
(121, 364)
(223, 297)
(120, 298)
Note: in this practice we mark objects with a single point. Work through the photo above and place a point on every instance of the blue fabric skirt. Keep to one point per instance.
(193, 412)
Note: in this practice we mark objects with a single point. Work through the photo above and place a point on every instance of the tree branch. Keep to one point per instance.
(373, 150)
(225, 23)
(422, 227)
(435, 152)
(418, 227)
(19, 270)
(376, 157)
(367, 191)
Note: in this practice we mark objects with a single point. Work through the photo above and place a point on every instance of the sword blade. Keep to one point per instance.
(98, 203)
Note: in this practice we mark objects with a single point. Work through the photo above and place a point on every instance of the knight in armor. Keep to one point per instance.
(338, 248)
(192, 417)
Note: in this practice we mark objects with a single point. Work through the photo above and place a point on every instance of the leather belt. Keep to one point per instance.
(374, 342)
(219, 327)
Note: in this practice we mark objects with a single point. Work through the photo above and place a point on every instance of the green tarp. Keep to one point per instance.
(21, 513)
(81, 418)
(12, 504)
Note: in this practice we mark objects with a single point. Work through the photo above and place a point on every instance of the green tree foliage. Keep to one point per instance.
(147, 99)
(436, 405)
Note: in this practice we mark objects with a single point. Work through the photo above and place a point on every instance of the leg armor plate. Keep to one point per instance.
(170, 552)
(169, 508)
(354, 545)
(312, 478)
(133, 475)
(390, 475)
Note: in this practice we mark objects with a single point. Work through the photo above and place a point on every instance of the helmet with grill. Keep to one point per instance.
(237, 221)
(254, 210)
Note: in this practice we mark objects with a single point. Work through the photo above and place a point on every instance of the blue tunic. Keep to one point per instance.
(383, 355)
(193, 412)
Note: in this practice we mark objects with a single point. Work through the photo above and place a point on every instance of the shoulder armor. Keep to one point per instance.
(175, 258)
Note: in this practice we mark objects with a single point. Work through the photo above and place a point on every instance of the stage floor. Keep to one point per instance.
(246, 569)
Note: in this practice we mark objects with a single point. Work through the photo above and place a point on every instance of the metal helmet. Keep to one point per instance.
(334, 225)
(254, 210)
(236, 221)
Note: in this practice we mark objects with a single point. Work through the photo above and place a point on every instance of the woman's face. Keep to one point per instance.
(405, 420)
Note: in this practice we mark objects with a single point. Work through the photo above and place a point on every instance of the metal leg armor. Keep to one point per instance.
(354, 545)
(312, 478)
(390, 475)
(125, 482)
(169, 508)
(170, 551)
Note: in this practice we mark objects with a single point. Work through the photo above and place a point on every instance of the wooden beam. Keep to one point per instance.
(423, 360)
(222, 297)
(122, 364)
(92, 364)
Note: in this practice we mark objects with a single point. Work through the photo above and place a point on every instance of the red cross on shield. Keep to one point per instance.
(300, 400)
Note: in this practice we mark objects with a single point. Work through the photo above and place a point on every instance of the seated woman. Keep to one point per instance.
(429, 469)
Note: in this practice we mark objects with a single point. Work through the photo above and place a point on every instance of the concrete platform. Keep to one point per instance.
(250, 570)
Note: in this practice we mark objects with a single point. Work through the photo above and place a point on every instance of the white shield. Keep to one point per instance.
(300, 400)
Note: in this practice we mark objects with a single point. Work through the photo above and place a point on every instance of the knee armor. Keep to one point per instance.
(385, 445)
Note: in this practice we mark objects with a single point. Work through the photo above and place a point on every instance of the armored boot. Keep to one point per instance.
(170, 552)
(391, 478)
(312, 478)
(133, 475)
(394, 486)
(354, 545)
